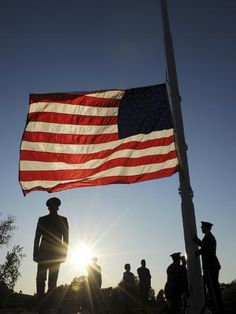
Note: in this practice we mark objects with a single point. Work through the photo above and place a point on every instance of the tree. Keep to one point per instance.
(7, 226)
(9, 270)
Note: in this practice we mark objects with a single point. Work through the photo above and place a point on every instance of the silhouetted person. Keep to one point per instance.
(50, 246)
(144, 284)
(160, 299)
(177, 283)
(129, 289)
(94, 285)
(210, 265)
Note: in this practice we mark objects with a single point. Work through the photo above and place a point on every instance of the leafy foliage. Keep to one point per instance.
(9, 270)
(7, 227)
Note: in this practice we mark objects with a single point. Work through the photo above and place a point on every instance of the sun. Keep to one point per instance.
(80, 257)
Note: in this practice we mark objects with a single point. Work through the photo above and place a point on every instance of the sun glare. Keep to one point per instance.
(80, 257)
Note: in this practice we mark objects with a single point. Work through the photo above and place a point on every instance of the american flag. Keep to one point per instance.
(97, 138)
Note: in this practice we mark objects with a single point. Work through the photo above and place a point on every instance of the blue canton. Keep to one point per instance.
(144, 110)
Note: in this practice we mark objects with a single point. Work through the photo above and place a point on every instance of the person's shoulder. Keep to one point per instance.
(212, 239)
(171, 265)
(62, 217)
(211, 236)
(43, 217)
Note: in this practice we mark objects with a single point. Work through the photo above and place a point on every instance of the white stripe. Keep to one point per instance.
(26, 165)
(57, 107)
(116, 171)
(92, 148)
(111, 94)
(59, 128)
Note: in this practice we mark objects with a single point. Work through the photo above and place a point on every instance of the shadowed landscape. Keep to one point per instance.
(74, 298)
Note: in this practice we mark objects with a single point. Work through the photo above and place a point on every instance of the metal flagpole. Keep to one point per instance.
(197, 297)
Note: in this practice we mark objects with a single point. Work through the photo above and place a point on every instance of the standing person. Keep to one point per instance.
(50, 246)
(177, 283)
(129, 289)
(210, 265)
(144, 284)
(94, 285)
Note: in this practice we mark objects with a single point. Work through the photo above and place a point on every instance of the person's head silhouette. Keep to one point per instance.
(206, 226)
(53, 204)
(176, 257)
(127, 267)
(143, 262)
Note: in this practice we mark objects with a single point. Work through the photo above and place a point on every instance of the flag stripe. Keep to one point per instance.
(132, 167)
(107, 168)
(134, 141)
(55, 186)
(80, 158)
(70, 128)
(69, 138)
(107, 98)
(57, 107)
(159, 154)
(50, 117)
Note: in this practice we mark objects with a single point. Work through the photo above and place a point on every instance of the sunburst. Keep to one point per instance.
(80, 257)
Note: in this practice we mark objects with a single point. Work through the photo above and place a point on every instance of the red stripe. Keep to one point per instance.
(75, 100)
(81, 158)
(62, 118)
(108, 180)
(58, 175)
(69, 138)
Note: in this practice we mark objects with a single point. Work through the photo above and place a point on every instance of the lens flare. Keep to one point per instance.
(80, 257)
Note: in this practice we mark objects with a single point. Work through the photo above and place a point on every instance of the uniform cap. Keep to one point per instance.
(53, 201)
(206, 224)
(175, 254)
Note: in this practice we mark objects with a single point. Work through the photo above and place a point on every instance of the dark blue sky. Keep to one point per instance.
(55, 46)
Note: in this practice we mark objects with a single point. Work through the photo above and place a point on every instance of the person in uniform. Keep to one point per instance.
(144, 284)
(210, 265)
(94, 285)
(50, 246)
(177, 283)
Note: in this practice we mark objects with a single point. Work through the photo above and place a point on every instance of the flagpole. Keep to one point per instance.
(197, 297)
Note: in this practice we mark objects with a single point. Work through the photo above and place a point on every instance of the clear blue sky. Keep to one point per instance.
(71, 45)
